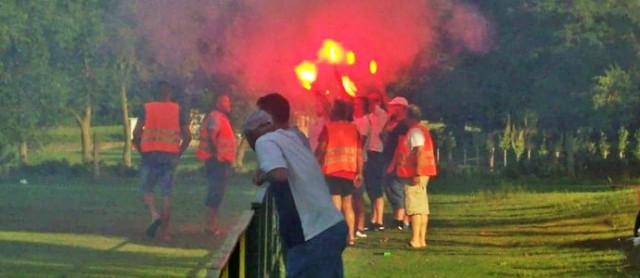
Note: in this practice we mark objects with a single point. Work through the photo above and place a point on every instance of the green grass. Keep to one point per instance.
(76, 227)
(520, 234)
(79, 228)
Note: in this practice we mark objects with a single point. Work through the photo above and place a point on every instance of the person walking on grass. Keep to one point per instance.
(161, 136)
(312, 231)
(340, 154)
(217, 149)
(414, 163)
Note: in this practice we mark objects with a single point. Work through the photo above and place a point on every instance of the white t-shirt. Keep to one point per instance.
(416, 138)
(314, 133)
(286, 149)
(378, 119)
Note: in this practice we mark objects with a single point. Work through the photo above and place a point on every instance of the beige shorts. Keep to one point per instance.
(416, 200)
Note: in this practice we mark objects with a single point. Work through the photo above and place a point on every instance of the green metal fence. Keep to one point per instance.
(252, 247)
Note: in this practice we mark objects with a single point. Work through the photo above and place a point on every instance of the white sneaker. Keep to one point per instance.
(636, 241)
(360, 234)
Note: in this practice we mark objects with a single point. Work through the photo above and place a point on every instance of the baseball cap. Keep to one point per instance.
(256, 120)
(399, 101)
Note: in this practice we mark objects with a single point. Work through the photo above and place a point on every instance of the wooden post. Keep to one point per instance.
(96, 158)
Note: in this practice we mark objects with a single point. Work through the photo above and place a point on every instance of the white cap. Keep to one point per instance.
(399, 101)
(255, 120)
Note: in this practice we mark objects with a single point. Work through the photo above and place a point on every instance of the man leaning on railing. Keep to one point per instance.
(313, 232)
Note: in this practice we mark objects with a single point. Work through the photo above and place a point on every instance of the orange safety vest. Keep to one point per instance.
(408, 159)
(343, 147)
(223, 142)
(161, 127)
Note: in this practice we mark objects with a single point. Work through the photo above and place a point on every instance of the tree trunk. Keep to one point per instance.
(84, 121)
(568, 143)
(492, 159)
(464, 156)
(528, 154)
(124, 102)
(24, 152)
(239, 161)
(477, 155)
(504, 158)
(96, 158)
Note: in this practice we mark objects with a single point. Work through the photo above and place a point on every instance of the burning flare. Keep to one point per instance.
(349, 87)
(332, 52)
(307, 73)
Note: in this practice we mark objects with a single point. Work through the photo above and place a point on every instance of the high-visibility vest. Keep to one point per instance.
(407, 160)
(223, 142)
(343, 147)
(161, 127)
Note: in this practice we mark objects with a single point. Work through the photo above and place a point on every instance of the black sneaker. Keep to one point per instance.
(398, 224)
(379, 227)
(153, 227)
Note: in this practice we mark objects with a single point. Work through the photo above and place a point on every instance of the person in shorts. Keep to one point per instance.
(340, 155)
(414, 164)
(161, 136)
(394, 129)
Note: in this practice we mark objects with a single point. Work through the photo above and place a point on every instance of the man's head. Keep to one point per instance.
(398, 107)
(341, 111)
(277, 106)
(414, 115)
(375, 99)
(164, 91)
(257, 124)
(223, 103)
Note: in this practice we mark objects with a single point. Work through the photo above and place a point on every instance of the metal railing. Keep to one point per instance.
(252, 247)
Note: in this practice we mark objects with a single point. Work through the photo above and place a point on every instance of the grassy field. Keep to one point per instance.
(75, 227)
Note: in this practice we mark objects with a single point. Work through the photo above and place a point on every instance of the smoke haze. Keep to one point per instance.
(258, 43)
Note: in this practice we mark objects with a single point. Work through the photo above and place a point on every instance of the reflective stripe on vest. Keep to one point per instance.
(407, 160)
(223, 142)
(342, 149)
(161, 127)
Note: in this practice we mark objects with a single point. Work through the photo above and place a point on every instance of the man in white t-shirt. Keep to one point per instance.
(313, 232)
(374, 166)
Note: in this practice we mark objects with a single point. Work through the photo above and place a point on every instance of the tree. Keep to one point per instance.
(85, 62)
(30, 84)
(505, 141)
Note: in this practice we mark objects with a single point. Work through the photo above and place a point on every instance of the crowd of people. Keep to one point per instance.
(356, 145)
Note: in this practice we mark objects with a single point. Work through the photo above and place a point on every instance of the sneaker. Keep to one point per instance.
(153, 227)
(360, 234)
(398, 224)
(379, 227)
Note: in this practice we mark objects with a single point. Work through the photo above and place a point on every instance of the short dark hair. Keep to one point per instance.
(365, 104)
(164, 90)
(276, 105)
(413, 112)
(341, 111)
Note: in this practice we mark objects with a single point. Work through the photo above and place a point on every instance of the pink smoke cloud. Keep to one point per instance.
(258, 43)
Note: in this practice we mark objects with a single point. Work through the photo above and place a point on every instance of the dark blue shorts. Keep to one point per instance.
(394, 190)
(217, 178)
(340, 186)
(157, 169)
(373, 172)
(320, 256)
